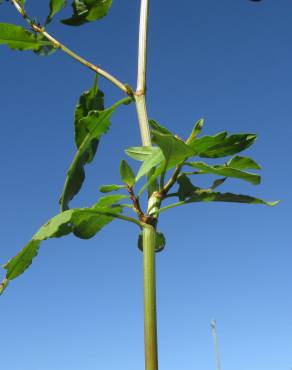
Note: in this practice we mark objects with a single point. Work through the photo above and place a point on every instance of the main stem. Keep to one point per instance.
(150, 325)
(149, 233)
(140, 95)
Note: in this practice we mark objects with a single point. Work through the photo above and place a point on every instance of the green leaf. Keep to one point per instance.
(58, 226)
(109, 200)
(88, 222)
(161, 129)
(92, 100)
(222, 145)
(173, 152)
(127, 175)
(225, 171)
(160, 242)
(188, 193)
(155, 158)
(217, 183)
(87, 11)
(110, 188)
(97, 124)
(141, 153)
(83, 222)
(18, 38)
(186, 188)
(243, 163)
(209, 196)
(174, 149)
(55, 7)
(195, 132)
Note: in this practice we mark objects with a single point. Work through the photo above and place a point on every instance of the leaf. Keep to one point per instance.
(58, 226)
(83, 222)
(186, 188)
(161, 129)
(55, 7)
(88, 222)
(141, 153)
(188, 193)
(243, 163)
(195, 132)
(217, 183)
(174, 152)
(109, 200)
(127, 175)
(91, 100)
(209, 196)
(222, 145)
(97, 124)
(174, 149)
(18, 38)
(154, 159)
(87, 11)
(226, 171)
(109, 188)
(160, 242)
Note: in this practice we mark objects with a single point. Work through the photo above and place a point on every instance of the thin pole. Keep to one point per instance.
(216, 346)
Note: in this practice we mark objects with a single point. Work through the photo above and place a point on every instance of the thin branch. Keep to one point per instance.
(172, 180)
(125, 88)
(170, 195)
(162, 209)
(136, 204)
(119, 216)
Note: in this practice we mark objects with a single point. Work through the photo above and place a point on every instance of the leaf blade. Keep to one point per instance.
(222, 145)
(55, 7)
(127, 175)
(226, 171)
(98, 124)
(87, 11)
(19, 38)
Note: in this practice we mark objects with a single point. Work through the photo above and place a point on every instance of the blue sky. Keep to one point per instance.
(80, 304)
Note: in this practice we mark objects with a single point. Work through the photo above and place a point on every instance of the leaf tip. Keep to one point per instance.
(273, 203)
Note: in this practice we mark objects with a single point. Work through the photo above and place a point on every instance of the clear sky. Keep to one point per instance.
(80, 304)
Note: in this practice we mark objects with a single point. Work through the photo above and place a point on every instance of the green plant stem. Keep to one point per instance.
(140, 95)
(143, 119)
(126, 89)
(150, 325)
